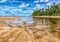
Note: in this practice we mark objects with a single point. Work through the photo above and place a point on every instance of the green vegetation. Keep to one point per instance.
(53, 10)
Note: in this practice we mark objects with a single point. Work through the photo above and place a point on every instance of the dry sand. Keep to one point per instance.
(14, 34)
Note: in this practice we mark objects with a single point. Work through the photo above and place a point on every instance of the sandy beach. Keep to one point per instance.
(18, 34)
(14, 34)
(3, 20)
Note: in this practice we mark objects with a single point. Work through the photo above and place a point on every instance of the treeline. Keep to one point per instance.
(53, 10)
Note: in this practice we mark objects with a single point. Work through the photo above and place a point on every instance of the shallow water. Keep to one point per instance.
(35, 21)
(33, 28)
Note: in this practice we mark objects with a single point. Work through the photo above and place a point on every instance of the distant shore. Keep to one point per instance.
(31, 16)
(47, 16)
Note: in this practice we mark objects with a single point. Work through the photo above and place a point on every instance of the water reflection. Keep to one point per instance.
(53, 23)
(36, 22)
(28, 20)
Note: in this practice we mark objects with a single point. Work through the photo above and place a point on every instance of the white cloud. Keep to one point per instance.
(48, 4)
(12, 1)
(27, 4)
(23, 5)
(44, 0)
(37, 7)
(14, 11)
(2, 1)
(38, 1)
(41, 0)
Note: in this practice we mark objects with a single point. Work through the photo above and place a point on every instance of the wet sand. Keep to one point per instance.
(3, 20)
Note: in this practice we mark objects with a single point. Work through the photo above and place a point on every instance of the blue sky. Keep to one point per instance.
(23, 7)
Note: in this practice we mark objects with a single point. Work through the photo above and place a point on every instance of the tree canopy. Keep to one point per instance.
(53, 10)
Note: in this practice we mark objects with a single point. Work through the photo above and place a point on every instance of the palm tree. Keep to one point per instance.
(53, 10)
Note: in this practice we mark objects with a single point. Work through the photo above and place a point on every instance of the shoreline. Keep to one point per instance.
(30, 16)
